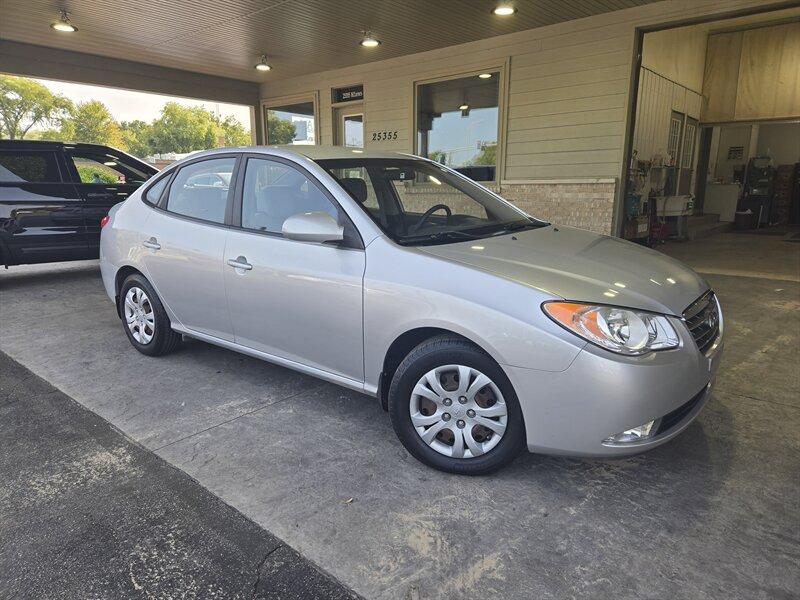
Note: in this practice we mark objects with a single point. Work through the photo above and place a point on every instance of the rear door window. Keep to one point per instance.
(201, 190)
(106, 169)
(29, 167)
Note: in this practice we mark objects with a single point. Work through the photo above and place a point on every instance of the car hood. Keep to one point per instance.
(575, 264)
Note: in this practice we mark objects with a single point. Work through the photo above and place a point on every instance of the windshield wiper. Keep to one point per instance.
(440, 235)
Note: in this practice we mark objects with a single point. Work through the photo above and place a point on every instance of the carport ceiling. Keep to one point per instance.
(226, 37)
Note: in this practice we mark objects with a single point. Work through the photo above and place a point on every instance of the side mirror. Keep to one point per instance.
(312, 227)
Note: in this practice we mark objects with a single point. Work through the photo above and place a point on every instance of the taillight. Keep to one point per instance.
(104, 221)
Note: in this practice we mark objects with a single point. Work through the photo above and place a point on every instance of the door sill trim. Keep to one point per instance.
(284, 362)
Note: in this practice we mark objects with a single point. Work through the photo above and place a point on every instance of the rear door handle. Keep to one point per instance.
(152, 243)
(240, 262)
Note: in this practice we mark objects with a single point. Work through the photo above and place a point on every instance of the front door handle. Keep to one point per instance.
(240, 262)
(152, 243)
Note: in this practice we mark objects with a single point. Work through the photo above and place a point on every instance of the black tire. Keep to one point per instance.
(164, 339)
(447, 350)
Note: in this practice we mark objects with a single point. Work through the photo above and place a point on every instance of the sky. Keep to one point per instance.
(127, 106)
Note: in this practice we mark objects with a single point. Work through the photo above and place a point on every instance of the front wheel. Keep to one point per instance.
(143, 316)
(454, 409)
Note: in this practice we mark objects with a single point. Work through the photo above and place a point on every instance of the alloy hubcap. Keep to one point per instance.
(139, 315)
(468, 427)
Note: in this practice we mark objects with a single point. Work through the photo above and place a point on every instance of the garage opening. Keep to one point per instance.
(715, 154)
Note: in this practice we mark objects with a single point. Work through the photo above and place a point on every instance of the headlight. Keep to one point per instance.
(617, 329)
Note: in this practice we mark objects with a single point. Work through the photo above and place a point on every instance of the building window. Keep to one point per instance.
(674, 139)
(458, 123)
(291, 123)
(689, 136)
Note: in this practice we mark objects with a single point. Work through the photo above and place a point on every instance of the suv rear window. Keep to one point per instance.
(28, 167)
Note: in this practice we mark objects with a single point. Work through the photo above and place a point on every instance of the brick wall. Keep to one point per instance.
(586, 205)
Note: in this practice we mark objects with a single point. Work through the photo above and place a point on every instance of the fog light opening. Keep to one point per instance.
(635, 434)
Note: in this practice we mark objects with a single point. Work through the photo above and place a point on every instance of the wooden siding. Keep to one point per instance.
(568, 85)
(753, 74)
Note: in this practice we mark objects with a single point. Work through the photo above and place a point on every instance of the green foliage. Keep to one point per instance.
(25, 103)
(96, 175)
(94, 124)
(439, 156)
(487, 156)
(280, 131)
(234, 132)
(184, 129)
(136, 137)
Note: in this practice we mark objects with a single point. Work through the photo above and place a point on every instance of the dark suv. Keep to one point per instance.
(53, 196)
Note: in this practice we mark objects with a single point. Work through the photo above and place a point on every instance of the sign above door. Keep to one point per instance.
(347, 94)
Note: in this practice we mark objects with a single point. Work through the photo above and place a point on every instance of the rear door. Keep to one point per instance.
(41, 215)
(185, 238)
(102, 179)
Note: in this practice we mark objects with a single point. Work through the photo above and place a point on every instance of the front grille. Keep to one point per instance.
(702, 319)
(669, 420)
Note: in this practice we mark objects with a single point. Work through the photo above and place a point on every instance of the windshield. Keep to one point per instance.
(418, 202)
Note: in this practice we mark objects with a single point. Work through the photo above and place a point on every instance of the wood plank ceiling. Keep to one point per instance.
(226, 37)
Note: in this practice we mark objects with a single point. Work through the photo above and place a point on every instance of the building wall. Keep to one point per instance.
(564, 119)
(781, 141)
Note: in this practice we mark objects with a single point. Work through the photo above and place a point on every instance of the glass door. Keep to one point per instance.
(350, 127)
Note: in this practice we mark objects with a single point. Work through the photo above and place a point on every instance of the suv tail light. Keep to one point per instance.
(104, 221)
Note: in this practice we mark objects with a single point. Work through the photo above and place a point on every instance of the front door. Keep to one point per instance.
(184, 243)
(102, 180)
(300, 301)
(41, 215)
(350, 126)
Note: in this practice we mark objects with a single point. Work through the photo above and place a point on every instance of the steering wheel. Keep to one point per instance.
(427, 215)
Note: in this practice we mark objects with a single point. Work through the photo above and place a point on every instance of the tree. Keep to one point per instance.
(183, 129)
(137, 137)
(234, 132)
(25, 103)
(439, 156)
(487, 156)
(93, 123)
(280, 131)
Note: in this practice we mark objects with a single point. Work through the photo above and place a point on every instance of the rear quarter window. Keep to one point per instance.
(153, 193)
(28, 167)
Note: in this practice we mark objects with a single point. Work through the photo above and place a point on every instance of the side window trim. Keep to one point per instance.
(162, 205)
(356, 241)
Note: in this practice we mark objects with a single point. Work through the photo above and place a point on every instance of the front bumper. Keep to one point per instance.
(601, 394)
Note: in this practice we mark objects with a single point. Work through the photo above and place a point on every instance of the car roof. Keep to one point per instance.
(333, 152)
(308, 151)
(51, 144)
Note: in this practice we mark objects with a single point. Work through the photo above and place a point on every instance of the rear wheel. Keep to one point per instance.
(454, 409)
(143, 316)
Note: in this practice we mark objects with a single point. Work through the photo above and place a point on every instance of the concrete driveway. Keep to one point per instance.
(713, 514)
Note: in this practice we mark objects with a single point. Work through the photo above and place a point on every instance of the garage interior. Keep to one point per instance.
(716, 142)
(713, 514)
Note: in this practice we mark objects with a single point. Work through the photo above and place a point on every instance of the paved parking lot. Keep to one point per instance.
(715, 513)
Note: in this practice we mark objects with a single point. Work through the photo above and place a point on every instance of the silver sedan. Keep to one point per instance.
(481, 329)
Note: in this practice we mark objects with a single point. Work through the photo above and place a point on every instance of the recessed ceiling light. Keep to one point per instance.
(369, 40)
(63, 25)
(464, 107)
(485, 76)
(262, 64)
(504, 10)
